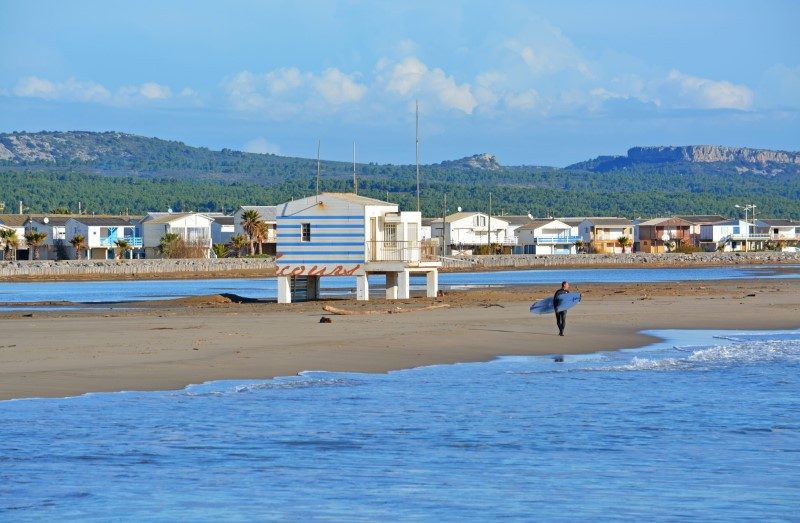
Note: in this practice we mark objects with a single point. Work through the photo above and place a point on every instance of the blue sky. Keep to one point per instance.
(532, 82)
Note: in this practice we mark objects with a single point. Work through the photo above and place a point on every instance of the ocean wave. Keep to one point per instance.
(302, 381)
(706, 358)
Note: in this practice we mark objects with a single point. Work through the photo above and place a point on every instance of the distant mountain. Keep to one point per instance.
(759, 161)
(481, 162)
(118, 172)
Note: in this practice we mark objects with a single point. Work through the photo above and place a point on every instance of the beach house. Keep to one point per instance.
(697, 221)
(101, 234)
(782, 233)
(17, 222)
(343, 234)
(193, 229)
(664, 234)
(548, 236)
(733, 235)
(464, 232)
(602, 235)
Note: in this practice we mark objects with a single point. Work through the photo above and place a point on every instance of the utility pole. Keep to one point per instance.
(444, 223)
(355, 182)
(418, 156)
(489, 228)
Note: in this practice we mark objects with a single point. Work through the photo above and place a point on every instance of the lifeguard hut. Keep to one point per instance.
(344, 234)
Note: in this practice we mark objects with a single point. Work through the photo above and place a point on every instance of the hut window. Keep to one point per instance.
(305, 232)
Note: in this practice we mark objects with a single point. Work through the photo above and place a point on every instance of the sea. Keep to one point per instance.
(702, 426)
(110, 292)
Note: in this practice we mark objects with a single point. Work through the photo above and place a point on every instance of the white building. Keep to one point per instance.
(733, 235)
(101, 234)
(222, 229)
(785, 232)
(465, 231)
(548, 236)
(343, 234)
(193, 228)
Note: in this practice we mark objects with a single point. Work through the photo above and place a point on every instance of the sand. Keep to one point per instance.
(168, 345)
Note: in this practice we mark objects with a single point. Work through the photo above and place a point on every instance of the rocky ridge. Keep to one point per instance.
(481, 162)
(759, 161)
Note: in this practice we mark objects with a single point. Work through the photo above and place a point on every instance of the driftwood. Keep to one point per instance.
(396, 310)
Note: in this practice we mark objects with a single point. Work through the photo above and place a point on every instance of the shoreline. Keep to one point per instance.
(130, 270)
(171, 344)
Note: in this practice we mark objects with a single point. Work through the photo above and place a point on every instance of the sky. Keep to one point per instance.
(534, 83)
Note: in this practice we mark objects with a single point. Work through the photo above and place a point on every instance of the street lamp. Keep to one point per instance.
(748, 207)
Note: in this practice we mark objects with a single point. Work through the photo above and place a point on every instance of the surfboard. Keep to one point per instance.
(565, 302)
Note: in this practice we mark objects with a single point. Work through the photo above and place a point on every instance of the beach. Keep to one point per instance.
(171, 344)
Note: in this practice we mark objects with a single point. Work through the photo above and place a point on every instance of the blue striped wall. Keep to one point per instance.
(335, 240)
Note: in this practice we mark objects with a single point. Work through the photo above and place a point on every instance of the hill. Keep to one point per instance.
(764, 162)
(117, 172)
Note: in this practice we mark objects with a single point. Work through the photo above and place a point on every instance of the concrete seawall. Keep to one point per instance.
(97, 269)
(233, 267)
(629, 259)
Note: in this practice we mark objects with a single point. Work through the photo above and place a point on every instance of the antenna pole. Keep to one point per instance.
(417, 155)
(355, 181)
(489, 227)
(444, 224)
(317, 170)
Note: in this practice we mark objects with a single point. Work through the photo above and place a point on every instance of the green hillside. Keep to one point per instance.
(114, 173)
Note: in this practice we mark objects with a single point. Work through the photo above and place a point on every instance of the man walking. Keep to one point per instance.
(561, 316)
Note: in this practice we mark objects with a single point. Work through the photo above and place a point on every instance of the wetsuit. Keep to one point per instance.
(561, 316)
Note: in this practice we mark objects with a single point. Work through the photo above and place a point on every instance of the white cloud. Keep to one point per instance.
(287, 92)
(338, 88)
(260, 145)
(708, 94)
(73, 90)
(154, 91)
(284, 80)
(406, 76)
(411, 76)
(545, 50)
(70, 90)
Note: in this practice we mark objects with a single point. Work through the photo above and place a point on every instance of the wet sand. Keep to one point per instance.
(170, 344)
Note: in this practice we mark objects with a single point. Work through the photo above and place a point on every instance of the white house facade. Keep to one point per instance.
(733, 235)
(548, 237)
(462, 232)
(101, 234)
(193, 228)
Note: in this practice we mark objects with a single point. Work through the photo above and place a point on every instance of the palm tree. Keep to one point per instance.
(238, 243)
(34, 240)
(250, 221)
(579, 245)
(79, 243)
(261, 235)
(169, 244)
(220, 250)
(10, 242)
(623, 242)
(123, 246)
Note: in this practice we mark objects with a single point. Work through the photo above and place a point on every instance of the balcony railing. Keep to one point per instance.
(556, 240)
(396, 251)
(133, 241)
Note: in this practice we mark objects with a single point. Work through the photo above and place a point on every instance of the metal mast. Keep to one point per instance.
(355, 181)
(417, 155)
